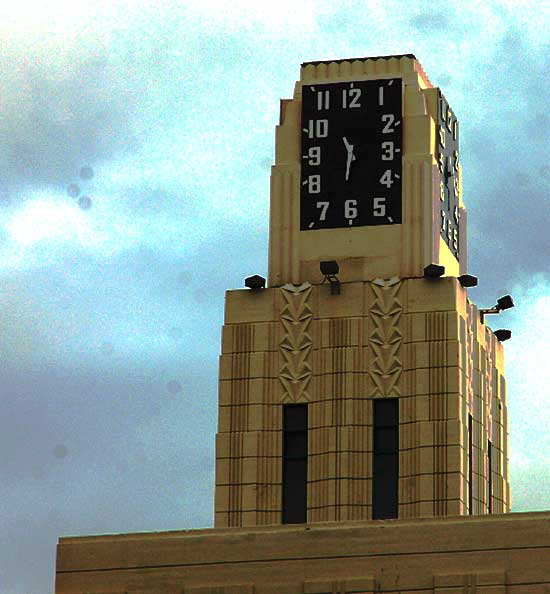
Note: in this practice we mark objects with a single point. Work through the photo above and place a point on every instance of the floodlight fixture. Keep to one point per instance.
(503, 334)
(467, 280)
(503, 303)
(434, 271)
(255, 282)
(329, 270)
(329, 267)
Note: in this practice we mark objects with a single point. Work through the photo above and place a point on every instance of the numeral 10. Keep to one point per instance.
(317, 128)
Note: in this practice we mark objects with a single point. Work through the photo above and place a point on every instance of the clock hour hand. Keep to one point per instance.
(351, 156)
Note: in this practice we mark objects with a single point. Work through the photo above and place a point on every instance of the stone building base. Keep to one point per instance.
(490, 554)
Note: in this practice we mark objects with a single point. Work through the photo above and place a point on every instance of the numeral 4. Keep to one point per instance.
(386, 179)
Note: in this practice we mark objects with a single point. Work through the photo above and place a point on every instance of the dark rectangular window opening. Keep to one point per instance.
(294, 464)
(385, 468)
(470, 467)
(489, 479)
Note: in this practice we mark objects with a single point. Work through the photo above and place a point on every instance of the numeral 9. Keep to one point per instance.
(314, 155)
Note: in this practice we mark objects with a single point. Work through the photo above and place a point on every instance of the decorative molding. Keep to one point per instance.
(296, 343)
(386, 337)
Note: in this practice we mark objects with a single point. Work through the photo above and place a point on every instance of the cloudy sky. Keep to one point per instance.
(136, 142)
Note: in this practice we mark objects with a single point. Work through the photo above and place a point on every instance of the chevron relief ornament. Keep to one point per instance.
(296, 344)
(386, 337)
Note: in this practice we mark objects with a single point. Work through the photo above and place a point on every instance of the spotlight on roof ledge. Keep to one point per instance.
(329, 269)
(434, 271)
(255, 282)
(503, 334)
(467, 280)
(503, 303)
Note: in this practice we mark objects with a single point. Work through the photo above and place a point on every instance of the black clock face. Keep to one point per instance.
(352, 143)
(447, 161)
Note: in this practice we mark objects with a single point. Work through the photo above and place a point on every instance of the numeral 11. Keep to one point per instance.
(323, 100)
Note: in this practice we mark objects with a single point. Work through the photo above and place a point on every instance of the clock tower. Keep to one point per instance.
(383, 395)
(362, 439)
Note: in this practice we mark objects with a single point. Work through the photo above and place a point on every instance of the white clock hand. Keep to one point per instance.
(351, 156)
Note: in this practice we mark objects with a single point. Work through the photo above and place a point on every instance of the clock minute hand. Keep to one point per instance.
(351, 156)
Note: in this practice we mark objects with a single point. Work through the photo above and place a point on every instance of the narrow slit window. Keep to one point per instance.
(489, 479)
(470, 466)
(385, 478)
(294, 464)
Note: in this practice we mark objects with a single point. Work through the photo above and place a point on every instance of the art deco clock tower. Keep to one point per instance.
(366, 386)
(362, 442)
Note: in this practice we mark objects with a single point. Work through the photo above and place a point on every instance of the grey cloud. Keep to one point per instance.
(430, 22)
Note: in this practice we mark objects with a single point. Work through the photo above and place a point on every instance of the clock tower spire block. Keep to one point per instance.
(366, 173)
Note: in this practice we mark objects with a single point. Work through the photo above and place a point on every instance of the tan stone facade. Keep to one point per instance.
(500, 554)
(416, 339)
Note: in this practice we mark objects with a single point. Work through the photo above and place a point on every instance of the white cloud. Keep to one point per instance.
(528, 374)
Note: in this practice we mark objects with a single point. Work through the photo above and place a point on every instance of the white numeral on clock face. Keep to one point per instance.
(386, 179)
(389, 118)
(313, 155)
(313, 183)
(323, 100)
(388, 149)
(317, 128)
(350, 209)
(379, 209)
(323, 206)
(352, 94)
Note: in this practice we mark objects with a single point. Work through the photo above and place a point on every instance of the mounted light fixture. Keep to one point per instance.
(255, 282)
(434, 271)
(503, 303)
(329, 269)
(467, 280)
(503, 334)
